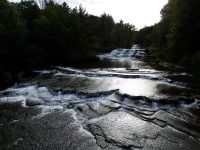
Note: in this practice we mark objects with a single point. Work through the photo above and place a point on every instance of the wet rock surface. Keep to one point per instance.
(132, 107)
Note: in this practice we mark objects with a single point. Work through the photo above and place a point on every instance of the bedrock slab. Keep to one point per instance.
(127, 131)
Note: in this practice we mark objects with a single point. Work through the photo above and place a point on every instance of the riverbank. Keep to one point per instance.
(10, 77)
(157, 61)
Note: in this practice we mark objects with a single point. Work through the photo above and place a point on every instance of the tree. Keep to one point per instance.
(33, 36)
(175, 37)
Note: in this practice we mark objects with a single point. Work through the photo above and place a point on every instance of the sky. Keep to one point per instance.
(140, 13)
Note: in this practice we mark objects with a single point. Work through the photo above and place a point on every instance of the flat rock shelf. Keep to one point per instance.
(127, 104)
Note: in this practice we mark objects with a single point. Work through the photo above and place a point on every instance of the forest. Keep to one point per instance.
(35, 35)
(175, 38)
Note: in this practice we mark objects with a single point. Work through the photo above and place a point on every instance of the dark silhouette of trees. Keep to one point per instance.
(123, 34)
(176, 37)
(41, 33)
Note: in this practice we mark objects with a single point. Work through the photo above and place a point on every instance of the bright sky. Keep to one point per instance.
(137, 12)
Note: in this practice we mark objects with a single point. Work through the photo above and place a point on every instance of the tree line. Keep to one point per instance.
(176, 37)
(35, 35)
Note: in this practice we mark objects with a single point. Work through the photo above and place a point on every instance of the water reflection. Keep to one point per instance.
(128, 74)
(135, 87)
(131, 86)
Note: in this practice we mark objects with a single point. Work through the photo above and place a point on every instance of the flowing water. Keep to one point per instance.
(120, 103)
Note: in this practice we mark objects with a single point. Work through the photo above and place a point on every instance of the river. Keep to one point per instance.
(120, 103)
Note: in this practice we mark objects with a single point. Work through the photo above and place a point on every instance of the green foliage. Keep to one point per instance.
(12, 35)
(176, 37)
(196, 61)
(105, 27)
(143, 36)
(123, 34)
